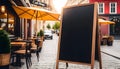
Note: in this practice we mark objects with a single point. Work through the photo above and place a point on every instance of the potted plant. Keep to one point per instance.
(41, 33)
(4, 50)
(56, 27)
(38, 34)
(110, 40)
(40, 39)
(48, 26)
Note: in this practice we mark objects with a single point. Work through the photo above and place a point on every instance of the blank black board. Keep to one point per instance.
(76, 34)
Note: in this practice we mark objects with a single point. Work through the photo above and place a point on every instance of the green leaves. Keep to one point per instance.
(40, 33)
(48, 26)
(56, 26)
(4, 42)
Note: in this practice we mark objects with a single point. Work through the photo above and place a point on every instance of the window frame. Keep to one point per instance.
(103, 7)
(114, 7)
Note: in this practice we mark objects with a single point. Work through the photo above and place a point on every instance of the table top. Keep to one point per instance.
(105, 36)
(18, 43)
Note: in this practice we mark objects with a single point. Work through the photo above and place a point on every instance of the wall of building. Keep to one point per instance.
(107, 4)
(104, 29)
(107, 28)
(76, 2)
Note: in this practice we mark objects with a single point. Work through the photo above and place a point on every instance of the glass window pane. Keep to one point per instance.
(113, 7)
(100, 9)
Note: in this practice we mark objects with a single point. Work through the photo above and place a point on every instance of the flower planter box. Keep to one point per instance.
(4, 59)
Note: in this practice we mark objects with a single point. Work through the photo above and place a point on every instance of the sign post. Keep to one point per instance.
(78, 40)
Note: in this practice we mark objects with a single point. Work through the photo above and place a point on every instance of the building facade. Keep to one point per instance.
(76, 2)
(109, 10)
(14, 25)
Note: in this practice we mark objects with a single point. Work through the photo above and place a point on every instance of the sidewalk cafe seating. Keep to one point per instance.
(110, 40)
(13, 55)
(36, 48)
(107, 40)
(24, 52)
(15, 45)
(104, 40)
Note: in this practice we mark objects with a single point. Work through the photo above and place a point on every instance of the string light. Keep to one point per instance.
(2, 9)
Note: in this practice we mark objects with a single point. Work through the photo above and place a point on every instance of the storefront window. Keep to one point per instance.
(6, 20)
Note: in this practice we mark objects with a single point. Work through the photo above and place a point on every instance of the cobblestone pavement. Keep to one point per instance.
(48, 56)
(113, 50)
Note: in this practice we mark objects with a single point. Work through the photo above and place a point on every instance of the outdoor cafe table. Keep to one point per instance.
(104, 40)
(18, 60)
(18, 43)
(22, 44)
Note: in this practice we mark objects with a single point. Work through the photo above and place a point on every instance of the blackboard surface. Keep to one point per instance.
(76, 34)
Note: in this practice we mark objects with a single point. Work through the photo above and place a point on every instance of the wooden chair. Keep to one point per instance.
(26, 53)
(13, 55)
(36, 48)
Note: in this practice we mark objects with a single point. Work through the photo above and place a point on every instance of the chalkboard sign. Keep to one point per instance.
(78, 34)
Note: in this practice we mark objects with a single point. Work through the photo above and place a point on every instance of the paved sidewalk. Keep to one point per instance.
(113, 50)
(49, 53)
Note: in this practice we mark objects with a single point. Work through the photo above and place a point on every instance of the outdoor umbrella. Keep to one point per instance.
(102, 21)
(35, 13)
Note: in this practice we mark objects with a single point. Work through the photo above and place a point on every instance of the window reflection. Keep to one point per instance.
(6, 20)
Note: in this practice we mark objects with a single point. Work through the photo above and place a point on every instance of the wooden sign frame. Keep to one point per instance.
(94, 28)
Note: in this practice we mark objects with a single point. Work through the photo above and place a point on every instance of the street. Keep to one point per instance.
(48, 56)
